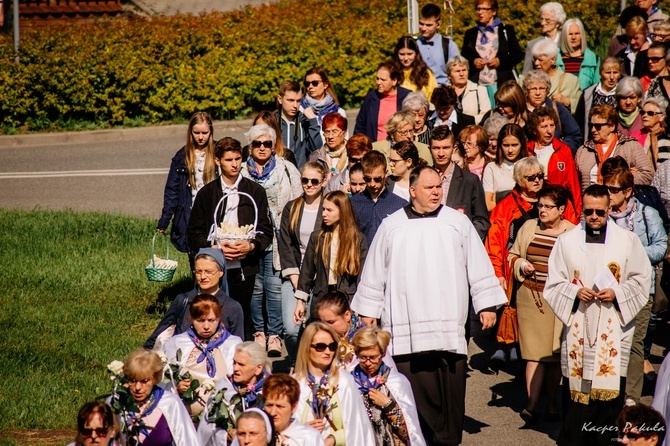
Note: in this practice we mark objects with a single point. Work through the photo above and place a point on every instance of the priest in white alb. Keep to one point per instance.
(599, 278)
(424, 262)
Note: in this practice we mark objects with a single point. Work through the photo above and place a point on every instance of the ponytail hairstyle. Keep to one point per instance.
(408, 151)
(348, 259)
(189, 150)
(294, 215)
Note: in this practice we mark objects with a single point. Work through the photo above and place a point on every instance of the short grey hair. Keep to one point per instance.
(493, 125)
(555, 9)
(565, 45)
(545, 47)
(525, 165)
(260, 130)
(536, 77)
(416, 101)
(662, 25)
(456, 60)
(660, 103)
(256, 353)
(628, 86)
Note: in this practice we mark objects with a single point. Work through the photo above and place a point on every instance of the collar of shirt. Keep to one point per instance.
(232, 188)
(383, 195)
(412, 214)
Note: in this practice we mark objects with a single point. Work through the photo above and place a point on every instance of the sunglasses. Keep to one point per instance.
(649, 113)
(654, 59)
(322, 346)
(312, 83)
(631, 435)
(313, 181)
(597, 126)
(599, 212)
(100, 432)
(532, 178)
(368, 179)
(258, 144)
(614, 189)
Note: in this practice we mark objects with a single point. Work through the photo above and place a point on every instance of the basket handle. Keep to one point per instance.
(212, 231)
(153, 248)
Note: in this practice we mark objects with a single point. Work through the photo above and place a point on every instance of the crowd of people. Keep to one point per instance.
(536, 201)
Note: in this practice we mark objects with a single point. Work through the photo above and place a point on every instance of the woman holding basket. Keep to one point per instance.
(281, 181)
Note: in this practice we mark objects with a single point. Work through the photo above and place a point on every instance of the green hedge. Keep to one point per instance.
(162, 69)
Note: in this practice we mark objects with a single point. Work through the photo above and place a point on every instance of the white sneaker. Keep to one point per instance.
(629, 402)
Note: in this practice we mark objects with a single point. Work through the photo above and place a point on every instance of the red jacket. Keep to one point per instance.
(502, 216)
(562, 171)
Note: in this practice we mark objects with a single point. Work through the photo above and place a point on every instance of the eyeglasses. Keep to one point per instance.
(482, 9)
(597, 125)
(537, 89)
(205, 272)
(322, 346)
(306, 181)
(257, 144)
(469, 144)
(331, 132)
(99, 432)
(405, 132)
(532, 178)
(599, 212)
(659, 36)
(370, 359)
(312, 83)
(394, 162)
(649, 113)
(368, 179)
(546, 206)
(546, 20)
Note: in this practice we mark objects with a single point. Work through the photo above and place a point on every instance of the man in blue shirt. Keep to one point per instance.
(376, 202)
(436, 50)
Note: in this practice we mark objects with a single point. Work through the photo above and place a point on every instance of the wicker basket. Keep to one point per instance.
(154, 273)
(219, 239)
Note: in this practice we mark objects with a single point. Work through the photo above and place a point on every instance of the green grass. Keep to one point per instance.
(74, 296)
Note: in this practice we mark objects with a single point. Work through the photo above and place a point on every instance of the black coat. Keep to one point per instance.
(509, 53)
(177, 201)
(202, 219)
(366, 121)
(463, 121)
(466, 194)
(641, 66)
(289, 241)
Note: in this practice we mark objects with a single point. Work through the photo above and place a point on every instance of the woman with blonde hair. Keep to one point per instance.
(329, 400)
(191, 168)
(334, 257)
(400, 127)
(386, 393)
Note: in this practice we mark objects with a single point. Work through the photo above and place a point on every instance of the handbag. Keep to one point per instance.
(508, 328)
(662, 287)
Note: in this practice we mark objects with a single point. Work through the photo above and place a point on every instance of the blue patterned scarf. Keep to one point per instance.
(490, 28)
(322, 107)
(206, 348)
(363, 381)
(137, 419)
(249, 393)
(320, 398)
(266, 171)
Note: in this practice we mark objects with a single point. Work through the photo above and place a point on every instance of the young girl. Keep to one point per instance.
(334, 256)
(418, 76)
(300, 218)
(404, 157)
(320, 98)
(498, 180)
(192, 167)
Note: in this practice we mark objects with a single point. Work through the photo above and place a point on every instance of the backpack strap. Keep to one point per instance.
(445, 48)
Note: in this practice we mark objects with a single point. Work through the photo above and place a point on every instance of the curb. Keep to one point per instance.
(126, 134)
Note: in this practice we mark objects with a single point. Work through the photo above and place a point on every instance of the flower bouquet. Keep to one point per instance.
(222, 412)
(122, 401)
(173, 374)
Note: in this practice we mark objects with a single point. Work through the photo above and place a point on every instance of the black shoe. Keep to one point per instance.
(529, 416)
(553, 417)
(651, 377)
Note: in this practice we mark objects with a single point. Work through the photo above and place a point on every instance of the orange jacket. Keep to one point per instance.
(562, 171)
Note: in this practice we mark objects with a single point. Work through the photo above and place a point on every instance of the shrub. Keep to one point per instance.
(230, 64)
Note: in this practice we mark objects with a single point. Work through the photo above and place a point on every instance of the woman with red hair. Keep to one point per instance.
(333, 153)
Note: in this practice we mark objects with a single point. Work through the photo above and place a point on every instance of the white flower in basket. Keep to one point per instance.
(224, 232)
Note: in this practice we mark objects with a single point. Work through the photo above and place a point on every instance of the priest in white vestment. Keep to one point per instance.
(424, 262)
(599, 278)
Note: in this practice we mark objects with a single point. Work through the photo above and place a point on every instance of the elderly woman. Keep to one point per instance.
(604, 92)
(578, 59)
(660, 30)
(417, 76)
(96, 426)
(281, 394)
(473, 99)
(628, 97)
(476, 141)
(333, 153)
(269, 118)
(660, 85)
(634, 56)
(400, 127)
(539, 329)
(329, 399)
(492, 125)
(205, 351)
(380, 103)
(387, 394)
(552, 17)
(281, 181)
(417, 104)
(605, 142)
(657, 66)
(565, 87)
(491, 48)
(498, 180)
(506, 219)
(657, 143)
(356, 146)
(554, 155)
(161, 417)
(536, 87)
(234, 394)
(445, 100)
(254, 428)
(641, 424)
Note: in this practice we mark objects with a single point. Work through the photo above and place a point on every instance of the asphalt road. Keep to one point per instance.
(124, 171)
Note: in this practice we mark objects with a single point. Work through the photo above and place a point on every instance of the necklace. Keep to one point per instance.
(588, 329)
